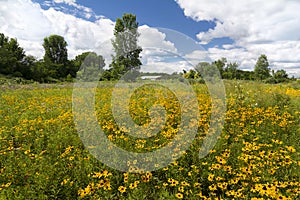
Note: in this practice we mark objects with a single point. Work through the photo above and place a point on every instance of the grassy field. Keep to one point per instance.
(257, 155)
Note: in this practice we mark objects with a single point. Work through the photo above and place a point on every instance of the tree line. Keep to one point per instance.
(55, 65)
(229, 70)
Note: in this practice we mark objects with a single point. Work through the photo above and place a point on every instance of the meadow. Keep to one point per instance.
(257, 155)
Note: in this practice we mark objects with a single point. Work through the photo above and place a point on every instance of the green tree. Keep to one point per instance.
(231, 71)
(245, 75)
(11, 55)
(3, 40)
(27, 66)
(56, 56)
(207, 70)
(127, 51)
(38, 71)
(79, 59)
(261, 69)
(7, 62)
(281, 74)
(91, 66)
(76, 63)
(221, 63)
(55, 49)
(278, 77)
(14, 47)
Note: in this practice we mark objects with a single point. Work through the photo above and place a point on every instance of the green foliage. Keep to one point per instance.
(126, 62)
(91, 66)
(127, 52)
(56, 57)
(230, 71)
(55, 50)
(279, 76)
(261, 69)
(11, 55)
(69, 78)
(221, 63)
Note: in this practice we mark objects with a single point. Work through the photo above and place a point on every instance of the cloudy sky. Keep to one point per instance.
(190, 30)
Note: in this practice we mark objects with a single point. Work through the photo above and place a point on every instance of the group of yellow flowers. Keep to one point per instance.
(256, 156)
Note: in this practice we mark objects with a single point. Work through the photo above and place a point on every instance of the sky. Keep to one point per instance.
(173, 33)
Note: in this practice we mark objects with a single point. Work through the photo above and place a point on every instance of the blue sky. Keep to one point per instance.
(239, 30)
(154, 13)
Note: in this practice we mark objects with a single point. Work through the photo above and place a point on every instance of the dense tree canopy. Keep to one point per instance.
(11, 55)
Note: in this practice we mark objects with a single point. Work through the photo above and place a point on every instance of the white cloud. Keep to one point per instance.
(66, 1)
(169, 51)
(270, 27)
(88, 11)
(152, 37)
(165, 67)
(157, 51)
(252, 21)
(30, 24)
(197, 56)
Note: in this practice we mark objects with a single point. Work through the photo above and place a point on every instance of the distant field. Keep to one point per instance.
(257, 155)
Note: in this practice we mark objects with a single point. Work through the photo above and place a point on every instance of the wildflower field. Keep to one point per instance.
(256, 156)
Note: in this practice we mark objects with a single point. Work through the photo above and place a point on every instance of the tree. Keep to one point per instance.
(127, 51)
(7, 62)
(278, 77)
(3, 40)
(56, 56)
(79, 59)
(281, 74)
(91, 66)
(208, 71)
(14, 47)
(11, 55)
(261, 69)
(27, 66)
(76, 63)
(221, 63)
(55, 49)
(231, 71)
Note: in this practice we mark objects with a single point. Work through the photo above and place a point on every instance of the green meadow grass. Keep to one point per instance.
(256, 157)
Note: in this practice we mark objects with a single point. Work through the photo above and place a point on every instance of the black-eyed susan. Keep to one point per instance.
(122, 189)
(179, 196)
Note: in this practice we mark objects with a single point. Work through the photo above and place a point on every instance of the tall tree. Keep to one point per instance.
(261, 69)
(55, 49)
(56, 56)
(127, 51)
